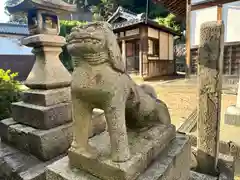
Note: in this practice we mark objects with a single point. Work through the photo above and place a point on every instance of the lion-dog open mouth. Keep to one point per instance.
(84, 40)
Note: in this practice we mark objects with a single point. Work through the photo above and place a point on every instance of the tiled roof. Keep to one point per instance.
(122, 11)
(17, 29)
(126, 23)
(150, 22)
(134, 19)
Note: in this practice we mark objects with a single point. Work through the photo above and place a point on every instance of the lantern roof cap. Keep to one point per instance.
(57, 6)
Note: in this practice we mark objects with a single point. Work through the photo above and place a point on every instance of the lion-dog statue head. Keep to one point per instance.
(94, 38)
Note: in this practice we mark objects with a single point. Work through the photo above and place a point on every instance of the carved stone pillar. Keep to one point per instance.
(210, 90)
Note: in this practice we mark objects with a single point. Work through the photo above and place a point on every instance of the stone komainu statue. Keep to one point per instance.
(100, 81)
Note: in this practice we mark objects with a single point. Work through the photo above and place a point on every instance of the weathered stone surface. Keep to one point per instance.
(13, 162)
(169, 165)
(173, 163)
(47, 97)
(225, 166)
(48, 71)
(18, 135)
(44, 144)
(209, 105)
(199, 176)
(50, 143)
(4, 124)
(232, 116)
(41, 117)
(101, 81)
(16, 165)
(145, 146)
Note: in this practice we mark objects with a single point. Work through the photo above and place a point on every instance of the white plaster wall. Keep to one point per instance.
(153, 33)
(231, 16)
(231, 19)
(197, 18)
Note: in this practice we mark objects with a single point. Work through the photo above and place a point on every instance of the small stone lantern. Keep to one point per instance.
(43, 23)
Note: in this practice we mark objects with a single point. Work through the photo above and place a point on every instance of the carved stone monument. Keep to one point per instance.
(140, 142)
(210, 67)
(210, 88)
(41, 125)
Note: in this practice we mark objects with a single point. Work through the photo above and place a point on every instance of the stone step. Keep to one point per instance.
(144, 146)
(47, 97)
(198, 176)
(41, 117)
(171, 164)
(16, 165)
(44, 144)
(21, 165)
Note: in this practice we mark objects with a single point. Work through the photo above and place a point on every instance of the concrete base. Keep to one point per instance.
(172, 163)
(144, 147)
(232, 116)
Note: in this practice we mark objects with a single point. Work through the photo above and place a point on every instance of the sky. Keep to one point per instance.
(3, 16)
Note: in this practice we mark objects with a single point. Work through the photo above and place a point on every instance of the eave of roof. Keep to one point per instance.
(135, 20)
(151, 23)
(178, 7)
(14, 29)
(56, 5)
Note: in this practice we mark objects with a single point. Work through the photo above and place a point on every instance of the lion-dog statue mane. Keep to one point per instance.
(100, 80)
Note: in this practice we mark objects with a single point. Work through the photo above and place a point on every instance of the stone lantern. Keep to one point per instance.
(43, 24)
(41, 124)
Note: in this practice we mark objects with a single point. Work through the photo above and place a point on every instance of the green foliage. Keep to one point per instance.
(169, 22)
(9, 92)
(66, 26)
(104, 10)
(65, 29)
(155, 10)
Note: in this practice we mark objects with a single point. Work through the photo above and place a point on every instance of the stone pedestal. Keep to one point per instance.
(48, 72)
(26, 151)
(156, 154)
(41, 125)
(209, 96)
